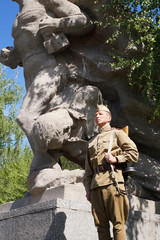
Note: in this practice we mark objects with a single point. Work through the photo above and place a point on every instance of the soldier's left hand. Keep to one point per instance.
(49, 25)
(109, 158)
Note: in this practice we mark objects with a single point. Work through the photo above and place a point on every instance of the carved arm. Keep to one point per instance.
(10, 57)
(70, 19)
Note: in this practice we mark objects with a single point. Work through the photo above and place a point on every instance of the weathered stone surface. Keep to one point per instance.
(52, 178)
(74, 192)
(146, 182)
(144, 219)
(57, 214)
(65, 86)
(49, 218)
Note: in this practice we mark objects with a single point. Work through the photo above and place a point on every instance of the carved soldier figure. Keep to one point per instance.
(39, 35)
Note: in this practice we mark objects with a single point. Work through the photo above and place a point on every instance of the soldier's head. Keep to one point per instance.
(103, 116)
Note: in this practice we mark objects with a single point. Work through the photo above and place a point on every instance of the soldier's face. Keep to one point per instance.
(102, 118)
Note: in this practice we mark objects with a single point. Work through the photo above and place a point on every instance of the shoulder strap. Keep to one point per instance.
(111, 141)
(125, 129)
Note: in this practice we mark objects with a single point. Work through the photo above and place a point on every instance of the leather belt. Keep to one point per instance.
(106, 167)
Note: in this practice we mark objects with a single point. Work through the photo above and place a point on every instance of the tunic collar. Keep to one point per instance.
(105, 129)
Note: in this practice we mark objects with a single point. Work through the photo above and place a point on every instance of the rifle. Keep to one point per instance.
(126, 170)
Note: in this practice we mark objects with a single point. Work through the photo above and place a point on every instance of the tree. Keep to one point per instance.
(139, 22)
(67, 164)
(13, 174)
(14, 160)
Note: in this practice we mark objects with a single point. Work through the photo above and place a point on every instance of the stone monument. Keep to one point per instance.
(64, 59)
(59, 105)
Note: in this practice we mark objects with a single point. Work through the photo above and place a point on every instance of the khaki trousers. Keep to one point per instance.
(108, 205)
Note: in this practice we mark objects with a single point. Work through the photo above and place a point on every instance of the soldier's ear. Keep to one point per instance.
(110, 117)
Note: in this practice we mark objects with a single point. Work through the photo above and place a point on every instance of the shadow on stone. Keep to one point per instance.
(56, 230)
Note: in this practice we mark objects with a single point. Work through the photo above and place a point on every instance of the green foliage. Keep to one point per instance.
(139, 22)
(13, 174)
(67, 164)
(10, 96)
(14, 161)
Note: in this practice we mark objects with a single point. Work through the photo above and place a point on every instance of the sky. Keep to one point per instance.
(9, 10)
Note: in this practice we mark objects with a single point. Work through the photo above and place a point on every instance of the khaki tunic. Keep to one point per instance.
(122, 147)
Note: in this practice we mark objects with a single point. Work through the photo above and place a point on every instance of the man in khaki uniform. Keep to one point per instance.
(103, 178)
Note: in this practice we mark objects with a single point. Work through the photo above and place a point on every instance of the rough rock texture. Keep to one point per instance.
(47, 178)
(64, 213)
(64, 59)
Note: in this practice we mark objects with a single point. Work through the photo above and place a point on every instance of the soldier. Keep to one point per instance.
(103, 180)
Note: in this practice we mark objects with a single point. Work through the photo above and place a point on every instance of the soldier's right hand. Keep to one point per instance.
(88, 196)
(4, 55)
(49, 25)
(9, 57)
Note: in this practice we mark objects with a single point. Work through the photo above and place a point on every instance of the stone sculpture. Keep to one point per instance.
(50, 115)
(64, 58)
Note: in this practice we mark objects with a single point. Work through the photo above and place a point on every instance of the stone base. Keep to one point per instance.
(62, 213)
(58, 214)
(144, 219)
(74, 192)
(56, 219)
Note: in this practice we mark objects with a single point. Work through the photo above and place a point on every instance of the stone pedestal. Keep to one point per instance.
(59, 213)
(144, 219)
(56, 219)
(62, 213)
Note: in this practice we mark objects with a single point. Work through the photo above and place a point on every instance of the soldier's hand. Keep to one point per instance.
(8, 57)
(109, 158)
(88, 196)
(4, 55)
(49, 25)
